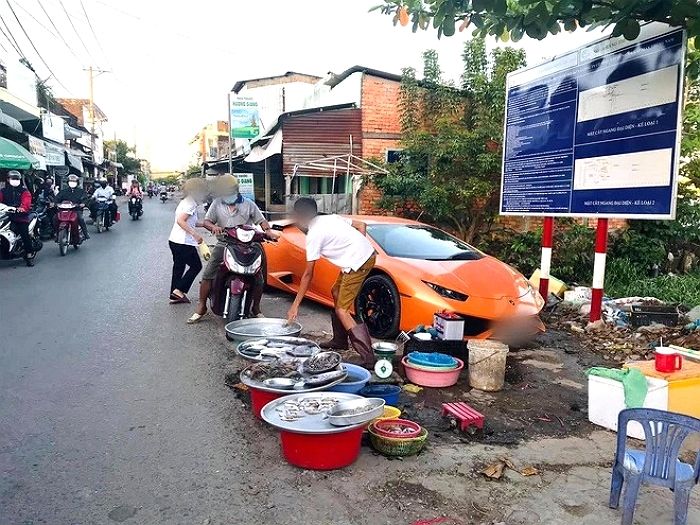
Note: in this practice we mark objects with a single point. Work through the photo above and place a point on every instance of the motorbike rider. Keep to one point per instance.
(103, 190)
(229, 210)
(134, 191)
(17, 195)
(76, 195)
(46, 190)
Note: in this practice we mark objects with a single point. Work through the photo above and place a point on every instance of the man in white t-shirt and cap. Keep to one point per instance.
(342, 242)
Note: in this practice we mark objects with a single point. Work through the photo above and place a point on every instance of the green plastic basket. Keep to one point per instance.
(397, 446)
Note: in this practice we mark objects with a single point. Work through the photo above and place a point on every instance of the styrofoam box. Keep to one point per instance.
(606, 399)
(447, 328)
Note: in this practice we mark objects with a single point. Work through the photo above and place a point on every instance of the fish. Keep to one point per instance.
(324, 378)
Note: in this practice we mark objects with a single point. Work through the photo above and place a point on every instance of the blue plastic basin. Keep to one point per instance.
(389, 393)
(356, 380)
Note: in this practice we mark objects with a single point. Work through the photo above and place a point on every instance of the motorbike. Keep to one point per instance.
(150, 193)
(104, 219)
(68, 230)
(163, 196)
(231, 296)
(135, 208)
(11, 246)
(44, 216)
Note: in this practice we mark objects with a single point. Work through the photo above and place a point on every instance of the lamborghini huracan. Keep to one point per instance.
(420, 270)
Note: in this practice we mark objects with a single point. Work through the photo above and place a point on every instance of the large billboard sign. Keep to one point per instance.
(244, 117)
(596, 132)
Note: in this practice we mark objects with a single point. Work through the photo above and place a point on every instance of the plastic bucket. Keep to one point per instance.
(487, 364)
(260, 398)
(321, 451)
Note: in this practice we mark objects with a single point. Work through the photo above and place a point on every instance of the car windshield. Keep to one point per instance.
(418, 241)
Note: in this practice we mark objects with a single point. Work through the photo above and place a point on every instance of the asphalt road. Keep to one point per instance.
(112, 409)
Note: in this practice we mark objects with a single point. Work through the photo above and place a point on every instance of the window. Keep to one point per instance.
(420, 241)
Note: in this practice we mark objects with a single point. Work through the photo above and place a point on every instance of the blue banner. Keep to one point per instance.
(596, 132)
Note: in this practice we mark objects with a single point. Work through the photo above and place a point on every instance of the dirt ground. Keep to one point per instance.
(539, 420)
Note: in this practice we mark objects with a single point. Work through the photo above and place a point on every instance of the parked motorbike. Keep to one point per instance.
(231, 292)
(11, 246)
(135, 208)
(68, 230)
(44, 216)
(163, 196)
(104, 219)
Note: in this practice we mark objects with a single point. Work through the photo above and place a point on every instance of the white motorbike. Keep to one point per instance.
(11, 246)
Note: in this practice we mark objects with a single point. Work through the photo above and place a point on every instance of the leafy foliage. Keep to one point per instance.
(451, 162)
(124, 155)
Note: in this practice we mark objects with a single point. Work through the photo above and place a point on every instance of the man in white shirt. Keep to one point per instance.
(342, 242)
(103, 192)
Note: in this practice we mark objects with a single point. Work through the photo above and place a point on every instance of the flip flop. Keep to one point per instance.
(196, 317)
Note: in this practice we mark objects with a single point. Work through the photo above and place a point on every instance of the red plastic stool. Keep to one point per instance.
(464, 414)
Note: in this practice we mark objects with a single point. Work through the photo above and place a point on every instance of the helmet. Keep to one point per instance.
(226, 185)
(14, 174)
(73, 178)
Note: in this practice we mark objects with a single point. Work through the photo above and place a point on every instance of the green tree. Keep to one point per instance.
(123, 153)
(193, 171)
(451, 162)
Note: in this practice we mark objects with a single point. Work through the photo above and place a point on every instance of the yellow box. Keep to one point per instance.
(683, 385)
(556, 286)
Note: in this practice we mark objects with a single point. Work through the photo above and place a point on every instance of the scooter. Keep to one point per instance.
(163, 196)
(11, 246)
(68, 230)
(104, 219)
(231, 291)
(135, 208)
(44, 216)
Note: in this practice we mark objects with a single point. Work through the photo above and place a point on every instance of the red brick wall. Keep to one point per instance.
(381, 130)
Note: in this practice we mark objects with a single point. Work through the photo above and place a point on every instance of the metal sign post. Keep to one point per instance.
(546, 261)
(601, 249)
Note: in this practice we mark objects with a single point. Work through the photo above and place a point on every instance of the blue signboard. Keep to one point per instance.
(596, 132)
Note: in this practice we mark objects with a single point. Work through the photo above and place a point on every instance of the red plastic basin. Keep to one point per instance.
(321, 451)
(260, 398)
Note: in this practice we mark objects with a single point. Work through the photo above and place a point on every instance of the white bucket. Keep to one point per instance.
(487, 364)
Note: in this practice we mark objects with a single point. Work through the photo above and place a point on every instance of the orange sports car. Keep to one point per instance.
(420, 270)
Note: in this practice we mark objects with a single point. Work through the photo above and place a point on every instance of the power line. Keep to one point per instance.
(12, 38)
(94, 33)
(8, 39)
(76, 31)
(34, 47)
(58, 31)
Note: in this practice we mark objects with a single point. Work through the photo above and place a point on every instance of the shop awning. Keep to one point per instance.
(273, 147)
(15, 157)
(10, 122)
(74, 161)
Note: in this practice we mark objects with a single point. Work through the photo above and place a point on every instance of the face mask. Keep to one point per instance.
(233, 199)
(14, 183)
(72, 184)
(103, 185)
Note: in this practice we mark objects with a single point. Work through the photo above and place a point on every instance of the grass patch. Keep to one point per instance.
(684, 289)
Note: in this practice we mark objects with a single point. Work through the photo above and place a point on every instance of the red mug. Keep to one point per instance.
(667, 360)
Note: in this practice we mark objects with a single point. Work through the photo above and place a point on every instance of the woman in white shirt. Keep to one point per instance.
(184, 240)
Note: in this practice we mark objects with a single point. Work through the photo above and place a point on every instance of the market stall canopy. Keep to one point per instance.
(74, 160)
(273, 147)
(15, 157)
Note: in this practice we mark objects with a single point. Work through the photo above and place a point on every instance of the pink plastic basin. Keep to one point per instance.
(432, 378)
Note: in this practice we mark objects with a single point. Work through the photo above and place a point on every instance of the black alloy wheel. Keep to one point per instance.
(379, 306)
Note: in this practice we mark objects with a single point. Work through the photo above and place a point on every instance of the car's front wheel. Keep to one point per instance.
(379, 306)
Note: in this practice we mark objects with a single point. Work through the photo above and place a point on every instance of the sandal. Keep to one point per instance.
(174, 299)
(196, 317)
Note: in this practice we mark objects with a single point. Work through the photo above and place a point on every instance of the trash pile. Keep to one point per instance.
(630, 327)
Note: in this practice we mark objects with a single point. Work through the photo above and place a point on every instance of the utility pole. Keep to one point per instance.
(91, 108)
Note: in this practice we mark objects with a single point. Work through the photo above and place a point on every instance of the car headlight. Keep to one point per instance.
(446, 292)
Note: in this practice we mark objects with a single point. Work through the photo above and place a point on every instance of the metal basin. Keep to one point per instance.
(355, 412)
(261, 327)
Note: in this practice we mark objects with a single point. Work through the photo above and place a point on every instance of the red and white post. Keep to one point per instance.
(601, 248)
(546, 262)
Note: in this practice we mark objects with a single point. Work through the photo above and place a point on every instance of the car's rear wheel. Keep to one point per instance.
(379, 306)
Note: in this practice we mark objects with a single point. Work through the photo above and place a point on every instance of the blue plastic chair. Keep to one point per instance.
(658, 464)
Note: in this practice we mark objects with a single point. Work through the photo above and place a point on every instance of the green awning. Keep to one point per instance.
(15, 157)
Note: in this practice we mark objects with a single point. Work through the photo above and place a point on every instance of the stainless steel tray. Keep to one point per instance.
(282, 353)
(261, 327)
(311, 424)
(261, 386)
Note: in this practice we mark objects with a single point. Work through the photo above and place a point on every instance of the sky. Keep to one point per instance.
(170, 64)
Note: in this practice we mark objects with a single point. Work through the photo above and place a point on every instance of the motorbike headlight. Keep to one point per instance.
(447, 293)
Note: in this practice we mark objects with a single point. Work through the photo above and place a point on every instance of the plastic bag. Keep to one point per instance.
(204, 251)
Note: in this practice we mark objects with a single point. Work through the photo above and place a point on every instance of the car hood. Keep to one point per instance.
(487, 277)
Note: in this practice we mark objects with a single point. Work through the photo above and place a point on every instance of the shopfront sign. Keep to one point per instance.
(244, 117)
(596, 132)
(246, 185)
